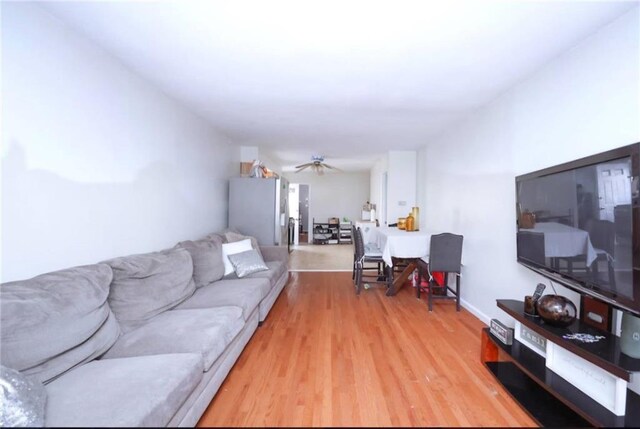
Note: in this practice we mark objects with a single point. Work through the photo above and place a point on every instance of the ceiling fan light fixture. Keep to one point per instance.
(317, 165)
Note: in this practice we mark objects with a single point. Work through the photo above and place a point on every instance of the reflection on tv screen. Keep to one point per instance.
(578, 223)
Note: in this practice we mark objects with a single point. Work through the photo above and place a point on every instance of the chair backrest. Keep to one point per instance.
(353, 237)
(359, 244)
(445, 253)
(602, 234)
(531, 246)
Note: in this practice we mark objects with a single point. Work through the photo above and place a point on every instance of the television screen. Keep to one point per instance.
(578, 223)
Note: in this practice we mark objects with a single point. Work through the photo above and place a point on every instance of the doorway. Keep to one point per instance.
(294, 213)
(303, 209)
(305, 255)
(613, 188)
(299, 212)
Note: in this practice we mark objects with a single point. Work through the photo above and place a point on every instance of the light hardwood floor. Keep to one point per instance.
(326, 357)
(321, 257)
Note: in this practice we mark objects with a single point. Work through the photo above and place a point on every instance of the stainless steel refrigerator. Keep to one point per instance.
(260, 208)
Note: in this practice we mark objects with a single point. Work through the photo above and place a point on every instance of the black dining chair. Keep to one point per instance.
(353, 240)
(367, 246)
(531, 246)
(602, 234)
(367, 254)
(445, 255)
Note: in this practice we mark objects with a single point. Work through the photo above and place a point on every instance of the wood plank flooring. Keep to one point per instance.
(326, 357)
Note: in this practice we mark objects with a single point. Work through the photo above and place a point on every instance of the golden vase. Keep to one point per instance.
(415, 212)
(410, 223)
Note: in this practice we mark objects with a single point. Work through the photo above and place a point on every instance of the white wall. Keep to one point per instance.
(248, 153)
(422, 199)
(376, 183)
(335, 194)
(584, 102)
(401, 188)
(96, 162)
(401, 170)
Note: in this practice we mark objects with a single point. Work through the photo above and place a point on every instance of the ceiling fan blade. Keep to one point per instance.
(317, 165)
(302, 168)
(331, 167)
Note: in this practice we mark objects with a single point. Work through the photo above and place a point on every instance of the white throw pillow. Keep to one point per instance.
(232, 249)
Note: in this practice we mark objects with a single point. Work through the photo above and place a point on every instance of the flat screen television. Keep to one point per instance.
(578, 224)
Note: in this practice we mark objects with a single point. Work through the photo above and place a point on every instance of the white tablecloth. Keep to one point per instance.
(398, 243)
(565, 241)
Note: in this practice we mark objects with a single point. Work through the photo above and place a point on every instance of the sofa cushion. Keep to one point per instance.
(132, 392)
(233, 236)
(55, 321)
(216, 236)
(248, 262)
(275, 253)
(148, 284)
(276, 269)
(243, 293)
(231, 249)
(204, 331)
(207, 259)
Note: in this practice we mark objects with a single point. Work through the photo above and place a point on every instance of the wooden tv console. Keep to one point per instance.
(548, 398)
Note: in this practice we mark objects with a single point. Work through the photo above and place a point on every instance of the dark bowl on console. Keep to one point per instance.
(556, 310)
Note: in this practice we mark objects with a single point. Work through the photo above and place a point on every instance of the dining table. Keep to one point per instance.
(562, 240)
(399, 244)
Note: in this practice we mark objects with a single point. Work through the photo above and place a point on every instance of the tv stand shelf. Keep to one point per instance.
(605, 353)
(525, 375)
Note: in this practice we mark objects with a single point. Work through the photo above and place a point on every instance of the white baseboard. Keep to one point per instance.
(474, 310)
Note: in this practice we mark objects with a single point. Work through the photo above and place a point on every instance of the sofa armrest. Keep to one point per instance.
(275, 253)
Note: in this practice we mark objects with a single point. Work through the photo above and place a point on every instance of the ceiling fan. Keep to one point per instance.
(317, 164)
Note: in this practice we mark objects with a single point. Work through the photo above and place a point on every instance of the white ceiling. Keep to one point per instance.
(347, 79)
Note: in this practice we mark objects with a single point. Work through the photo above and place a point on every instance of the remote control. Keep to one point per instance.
(538, 293)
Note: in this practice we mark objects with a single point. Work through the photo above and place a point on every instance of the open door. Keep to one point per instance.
(304, 208)
(294, 210)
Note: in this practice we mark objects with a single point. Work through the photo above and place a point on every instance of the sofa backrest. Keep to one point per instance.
(148, 284)
(56, 321)
(207, 259)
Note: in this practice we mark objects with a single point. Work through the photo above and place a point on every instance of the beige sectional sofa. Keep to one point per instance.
(140, 340)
